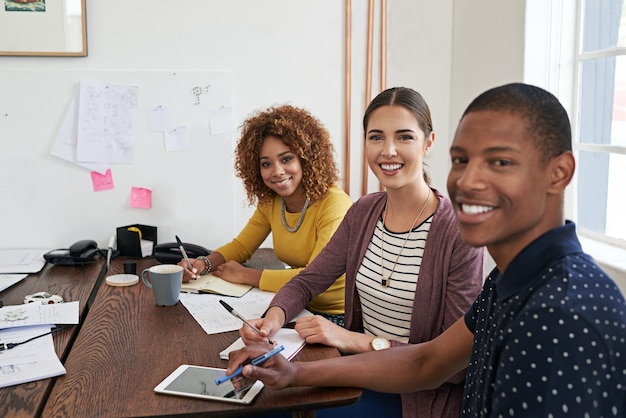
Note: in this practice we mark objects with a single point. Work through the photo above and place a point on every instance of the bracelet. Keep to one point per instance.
(207, 262)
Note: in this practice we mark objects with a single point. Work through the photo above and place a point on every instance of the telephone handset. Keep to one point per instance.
(79, 253)
(169, 252)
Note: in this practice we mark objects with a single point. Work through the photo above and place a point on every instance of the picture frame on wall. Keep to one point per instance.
(43, 28)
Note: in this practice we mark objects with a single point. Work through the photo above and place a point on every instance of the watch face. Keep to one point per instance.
(379, 343)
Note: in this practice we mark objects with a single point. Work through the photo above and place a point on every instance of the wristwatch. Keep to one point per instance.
(380, 343)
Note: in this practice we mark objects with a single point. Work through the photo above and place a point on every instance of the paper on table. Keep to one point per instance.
(213, 318)
(28, 352)
(34, 313)
(28, 372)
(22, 260)
(8, 280)
(287, 337)
(31, 361)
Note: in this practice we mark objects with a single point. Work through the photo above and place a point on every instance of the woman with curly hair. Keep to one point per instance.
(285, 159)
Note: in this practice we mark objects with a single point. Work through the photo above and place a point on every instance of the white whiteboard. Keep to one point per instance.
(49, 202)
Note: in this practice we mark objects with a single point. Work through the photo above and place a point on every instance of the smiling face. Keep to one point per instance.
(395, 147)
(281, 169)
(505, 195)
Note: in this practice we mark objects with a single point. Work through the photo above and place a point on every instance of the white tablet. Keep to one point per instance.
(199, 382)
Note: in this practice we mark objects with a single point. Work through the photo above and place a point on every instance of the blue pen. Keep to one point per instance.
(255, 362)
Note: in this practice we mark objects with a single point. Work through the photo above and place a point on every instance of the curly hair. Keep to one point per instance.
(303, 134)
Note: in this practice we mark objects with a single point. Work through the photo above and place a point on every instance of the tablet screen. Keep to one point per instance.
(199, 382)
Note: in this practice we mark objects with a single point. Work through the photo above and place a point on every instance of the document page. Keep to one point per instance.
(287, 337)
(213, 318)
(22, 260)
(8, 280)
(13, 316)
(30, 361)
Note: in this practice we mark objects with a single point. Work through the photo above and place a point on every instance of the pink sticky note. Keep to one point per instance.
(102, 181)
(140, 198)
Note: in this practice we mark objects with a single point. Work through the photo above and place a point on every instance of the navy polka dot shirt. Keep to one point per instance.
(549, 337)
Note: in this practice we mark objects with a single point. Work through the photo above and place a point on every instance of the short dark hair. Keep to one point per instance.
(409, 99)
(548, 125)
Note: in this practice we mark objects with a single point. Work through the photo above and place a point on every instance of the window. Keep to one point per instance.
(600, 123)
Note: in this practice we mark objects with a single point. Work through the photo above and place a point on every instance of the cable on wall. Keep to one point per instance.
(383, 54)
(368, 83)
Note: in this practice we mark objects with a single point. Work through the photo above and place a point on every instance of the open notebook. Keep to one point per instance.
(287, 337)
(213, 284)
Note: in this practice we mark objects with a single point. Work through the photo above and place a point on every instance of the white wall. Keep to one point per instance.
(280, 51)
(488, 49)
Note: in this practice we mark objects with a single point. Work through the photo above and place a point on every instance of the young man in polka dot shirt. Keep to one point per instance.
(547, 335)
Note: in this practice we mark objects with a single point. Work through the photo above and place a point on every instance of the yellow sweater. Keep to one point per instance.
(297, 249)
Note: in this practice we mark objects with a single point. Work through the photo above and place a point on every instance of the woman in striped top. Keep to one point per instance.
(409, 275)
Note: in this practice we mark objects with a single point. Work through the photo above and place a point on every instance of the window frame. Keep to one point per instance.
(579, 58)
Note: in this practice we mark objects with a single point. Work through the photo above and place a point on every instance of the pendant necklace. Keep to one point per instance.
(282, 215)
(386, 278)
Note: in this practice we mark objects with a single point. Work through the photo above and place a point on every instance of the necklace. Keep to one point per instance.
(282, 215)
(386, 278)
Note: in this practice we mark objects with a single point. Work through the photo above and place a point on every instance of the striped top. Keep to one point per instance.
(387, 310)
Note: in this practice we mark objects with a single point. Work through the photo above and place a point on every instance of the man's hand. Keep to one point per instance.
(276, 372)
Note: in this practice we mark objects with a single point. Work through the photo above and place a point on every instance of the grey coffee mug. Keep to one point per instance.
(165, 281)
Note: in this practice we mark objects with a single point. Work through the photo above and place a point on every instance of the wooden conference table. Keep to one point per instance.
(72, 283)
(127, 345)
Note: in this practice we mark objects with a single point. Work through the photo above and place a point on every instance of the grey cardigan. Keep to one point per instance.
(450, 278)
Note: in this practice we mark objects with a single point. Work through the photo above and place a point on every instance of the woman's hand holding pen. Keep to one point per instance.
(197, 266)
(269, 325)
(275, 373)
(267, 328)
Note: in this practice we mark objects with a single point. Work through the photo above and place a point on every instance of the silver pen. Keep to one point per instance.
(110, 250)
(242, 319)
(182, 250)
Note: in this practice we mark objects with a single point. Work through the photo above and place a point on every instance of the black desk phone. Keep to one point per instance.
(79, 253)
(169, 252)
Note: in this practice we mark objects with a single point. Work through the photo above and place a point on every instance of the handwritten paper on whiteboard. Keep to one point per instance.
(67, 140)
(140, 198)
(107, 122)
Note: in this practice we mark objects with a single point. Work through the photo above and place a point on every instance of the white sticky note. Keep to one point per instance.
(222, 120)
(178, 139)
